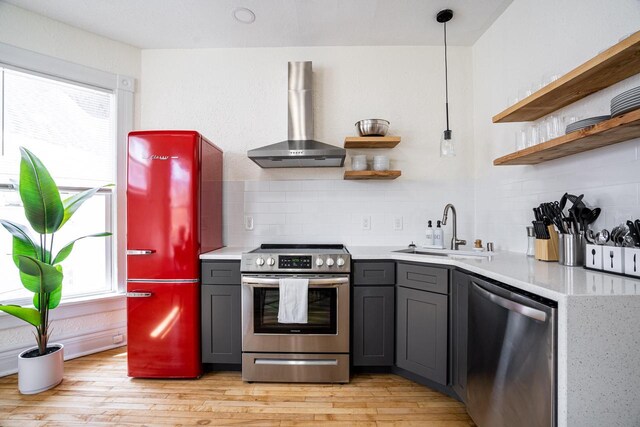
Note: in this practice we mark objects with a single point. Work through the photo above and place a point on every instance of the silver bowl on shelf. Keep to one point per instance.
(372, 127)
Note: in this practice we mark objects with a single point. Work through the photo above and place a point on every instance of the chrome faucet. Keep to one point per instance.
(455, 242)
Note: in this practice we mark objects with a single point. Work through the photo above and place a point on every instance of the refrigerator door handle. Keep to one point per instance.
(140, 251)
(139, 294)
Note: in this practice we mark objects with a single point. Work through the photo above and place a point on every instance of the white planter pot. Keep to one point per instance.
(37, 374)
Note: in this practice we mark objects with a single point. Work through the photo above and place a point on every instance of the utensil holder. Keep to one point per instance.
(547, 249)
(571, 250)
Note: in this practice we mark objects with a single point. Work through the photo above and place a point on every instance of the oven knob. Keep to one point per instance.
(340, 262)
(271, 262)
(260, 262)
(330, 262)
(319, 262)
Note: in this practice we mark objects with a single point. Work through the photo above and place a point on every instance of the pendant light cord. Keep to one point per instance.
(446, 73)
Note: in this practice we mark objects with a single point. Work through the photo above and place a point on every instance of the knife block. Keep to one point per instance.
(547, 249)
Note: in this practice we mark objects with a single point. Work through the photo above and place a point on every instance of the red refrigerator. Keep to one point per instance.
(174, 213)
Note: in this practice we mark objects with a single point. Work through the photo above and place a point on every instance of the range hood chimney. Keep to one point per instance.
(300, 150)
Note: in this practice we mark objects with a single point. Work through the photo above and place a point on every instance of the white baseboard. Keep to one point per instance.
(75, 346)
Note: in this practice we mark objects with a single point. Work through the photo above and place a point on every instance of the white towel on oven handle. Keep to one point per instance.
(293, 304)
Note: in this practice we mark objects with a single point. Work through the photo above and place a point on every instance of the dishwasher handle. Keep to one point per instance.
(512, 305)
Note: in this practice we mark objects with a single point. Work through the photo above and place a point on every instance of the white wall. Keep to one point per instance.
(83, 327)
(531, 39)
(238, 98)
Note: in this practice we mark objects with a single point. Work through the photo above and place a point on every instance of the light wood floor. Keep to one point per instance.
(97, 391)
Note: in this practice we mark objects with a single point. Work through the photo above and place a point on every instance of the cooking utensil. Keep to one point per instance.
(602, 237)
(372, 127)
(633, 233)
(637, 224)
(590, 236)
(574, 221)
(540, 230)
(592, 216)
(628, 241)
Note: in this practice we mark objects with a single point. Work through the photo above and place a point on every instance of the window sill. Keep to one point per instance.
(74, 308)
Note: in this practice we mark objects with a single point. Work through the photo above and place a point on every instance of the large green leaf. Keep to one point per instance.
(71, 204)
(39, 193)
(54, 298)
(29, 315)
(48, 277)
(66, 250)
(23, 243)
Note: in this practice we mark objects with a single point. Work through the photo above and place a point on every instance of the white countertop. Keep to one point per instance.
(547, 279)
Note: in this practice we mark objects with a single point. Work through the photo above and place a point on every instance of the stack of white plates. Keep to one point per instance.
(581, 124)
(625, 102)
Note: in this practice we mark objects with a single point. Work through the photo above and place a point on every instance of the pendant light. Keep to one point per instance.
(447, 146)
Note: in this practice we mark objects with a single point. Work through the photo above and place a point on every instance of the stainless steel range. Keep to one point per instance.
(315, 351)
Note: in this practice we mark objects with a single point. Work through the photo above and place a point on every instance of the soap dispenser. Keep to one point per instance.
(430, 235)
(438, 236)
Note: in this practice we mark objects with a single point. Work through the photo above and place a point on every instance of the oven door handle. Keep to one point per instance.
(262, 282)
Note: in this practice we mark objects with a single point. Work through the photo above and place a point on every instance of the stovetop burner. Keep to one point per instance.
(297, 258)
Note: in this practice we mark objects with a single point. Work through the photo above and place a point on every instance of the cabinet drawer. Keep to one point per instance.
(221, 272)
(422, 277)
(372, 273)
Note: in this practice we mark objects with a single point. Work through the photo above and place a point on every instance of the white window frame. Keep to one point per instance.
(123, 88)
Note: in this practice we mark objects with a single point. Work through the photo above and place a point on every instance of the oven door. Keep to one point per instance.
(327, 329)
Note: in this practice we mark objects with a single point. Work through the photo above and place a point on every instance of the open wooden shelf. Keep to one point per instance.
(612, 131)
(371, 174)
(615, 64)
(371, 141)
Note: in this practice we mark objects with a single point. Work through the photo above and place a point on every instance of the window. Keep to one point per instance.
(70, 118)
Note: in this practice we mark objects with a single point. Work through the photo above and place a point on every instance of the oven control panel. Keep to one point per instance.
(296, 263)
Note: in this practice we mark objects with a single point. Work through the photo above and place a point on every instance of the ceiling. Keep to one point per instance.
(161, 24)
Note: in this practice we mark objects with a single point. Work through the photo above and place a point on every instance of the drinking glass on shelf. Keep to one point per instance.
(521, 139)
(533, 135)
(553, 127)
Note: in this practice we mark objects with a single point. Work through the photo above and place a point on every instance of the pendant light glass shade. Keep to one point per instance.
(447, 144)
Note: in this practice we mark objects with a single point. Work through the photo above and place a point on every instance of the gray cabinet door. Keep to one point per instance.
(421, 333)
(221, 324)
(373, 325)
(220, 272)
(459, 326)
(371, 273)
(423, 277)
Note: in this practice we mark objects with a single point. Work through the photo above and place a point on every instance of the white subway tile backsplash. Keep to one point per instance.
(326, 211)
(269, 218)
(285, 185)
(301, 196)
(264, 196)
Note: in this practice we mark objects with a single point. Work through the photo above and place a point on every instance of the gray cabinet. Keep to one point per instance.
(422, 321)
(374, 273)
(373, 325)
(221, 313)
(459, 326)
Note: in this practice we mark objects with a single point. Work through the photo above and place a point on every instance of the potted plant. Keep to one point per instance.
(41, 368)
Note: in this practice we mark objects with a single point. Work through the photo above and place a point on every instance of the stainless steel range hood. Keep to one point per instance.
(300, 150)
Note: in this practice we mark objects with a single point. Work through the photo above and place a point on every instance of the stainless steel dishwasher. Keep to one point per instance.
(511, 359)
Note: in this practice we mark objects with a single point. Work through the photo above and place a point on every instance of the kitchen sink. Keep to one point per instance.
(444, 252)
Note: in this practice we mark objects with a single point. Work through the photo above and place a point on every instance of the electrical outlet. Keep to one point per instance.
(366, 222)
(117, 339)
(248, 222)
(397, 223)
